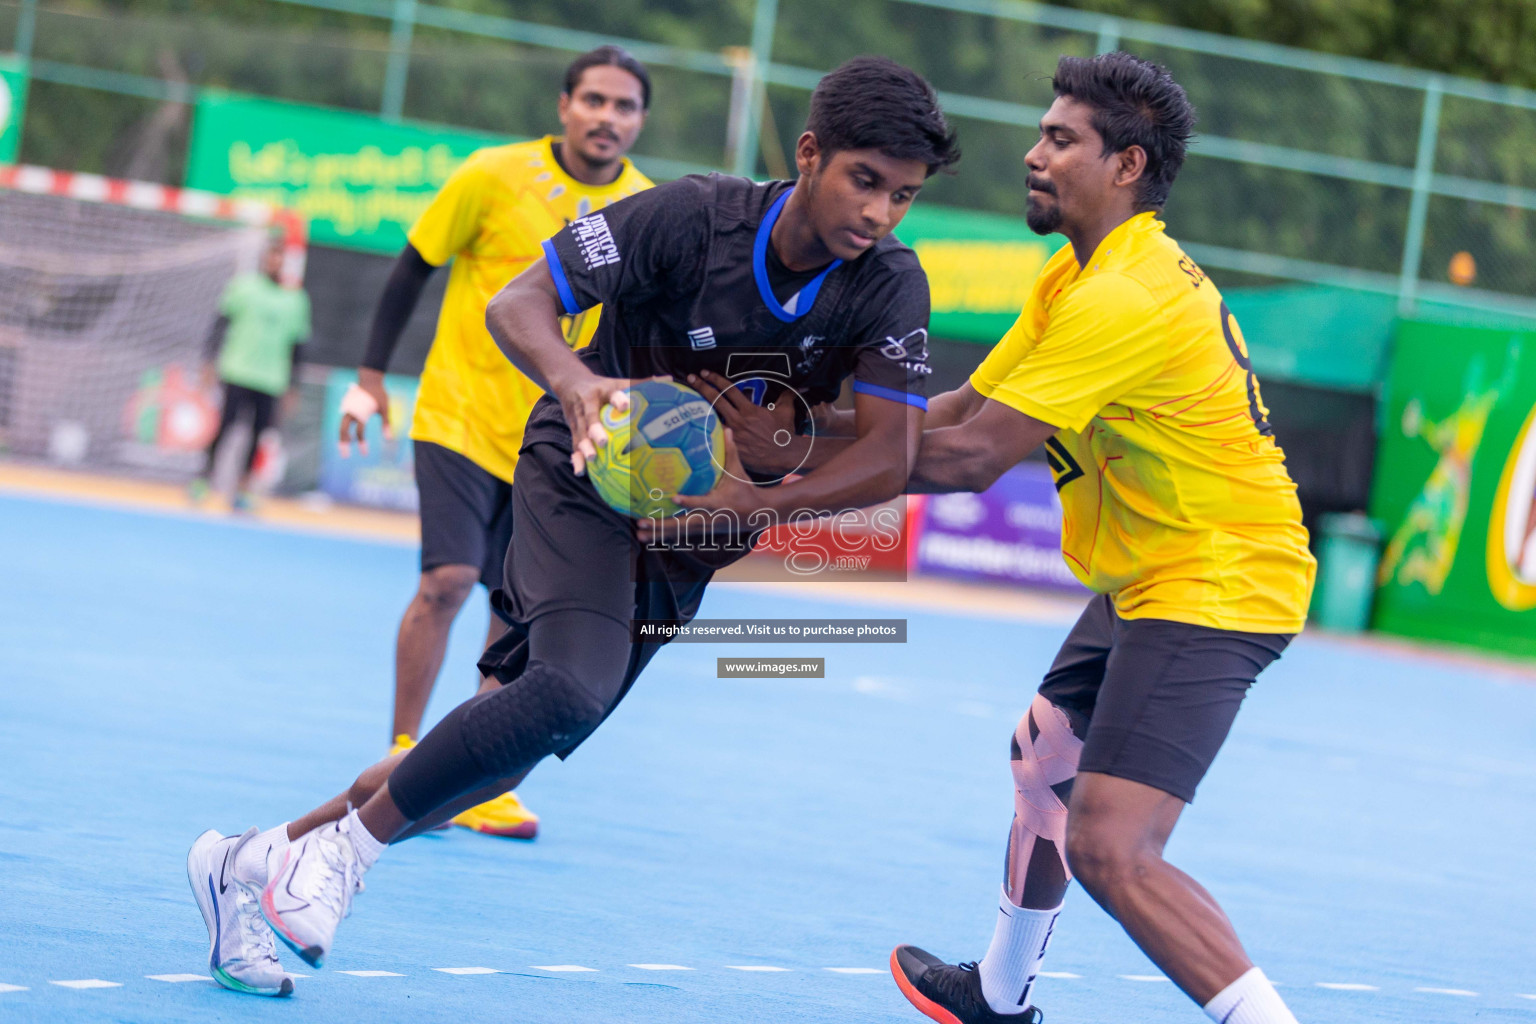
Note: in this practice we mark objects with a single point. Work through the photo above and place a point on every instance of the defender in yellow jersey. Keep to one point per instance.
(490, 220)
(1129, 368)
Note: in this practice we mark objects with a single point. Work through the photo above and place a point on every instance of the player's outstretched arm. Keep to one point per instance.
(869, 470)
(973, 453)
(524, 318)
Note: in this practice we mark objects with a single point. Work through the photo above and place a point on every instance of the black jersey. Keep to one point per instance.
(682, 273)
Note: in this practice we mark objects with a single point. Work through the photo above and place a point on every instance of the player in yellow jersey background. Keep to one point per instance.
(490, 220)
(1126, 364)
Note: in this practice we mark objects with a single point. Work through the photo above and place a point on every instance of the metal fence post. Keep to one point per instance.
(764, 21)
(26, 28)
(1418, 208)
(401, 28)
(1109, 36)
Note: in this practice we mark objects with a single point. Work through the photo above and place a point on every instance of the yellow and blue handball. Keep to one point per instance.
(668, 442)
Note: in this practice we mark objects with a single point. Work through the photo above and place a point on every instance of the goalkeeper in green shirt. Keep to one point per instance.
(257, 336)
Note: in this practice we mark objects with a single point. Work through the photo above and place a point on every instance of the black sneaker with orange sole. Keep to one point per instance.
(948, 993)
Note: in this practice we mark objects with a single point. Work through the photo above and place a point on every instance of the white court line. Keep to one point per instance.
(1347, 986)
(23, 988)
(1447, 991)
(87, 983)
(372, 974)
(467, 970)
(1518, 995)
(661, 967)
(1060, 974)
(1143, 977)
(177, 979)
(854, 970)
(564, 968)
(763, 969)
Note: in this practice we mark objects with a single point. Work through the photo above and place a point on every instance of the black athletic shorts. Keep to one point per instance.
(1159, 697)
(569, 550)
(466, 513)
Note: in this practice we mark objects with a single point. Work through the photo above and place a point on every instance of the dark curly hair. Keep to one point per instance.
(876, 103)
(1135, 103)
(609, 56)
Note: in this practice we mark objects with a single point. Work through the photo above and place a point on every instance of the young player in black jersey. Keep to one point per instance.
(706, 273)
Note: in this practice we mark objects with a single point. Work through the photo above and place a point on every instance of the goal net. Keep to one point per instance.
(108, 291)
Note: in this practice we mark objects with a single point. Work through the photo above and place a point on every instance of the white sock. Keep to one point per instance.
(1018, 945)
(368, 848)
(1250, 999)
(256, 855)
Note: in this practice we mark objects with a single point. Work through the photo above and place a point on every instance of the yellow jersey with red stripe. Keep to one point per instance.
(1175, 495)
(491, 218)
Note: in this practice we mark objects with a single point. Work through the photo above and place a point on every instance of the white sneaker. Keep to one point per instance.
(311, 891)
(241, 953)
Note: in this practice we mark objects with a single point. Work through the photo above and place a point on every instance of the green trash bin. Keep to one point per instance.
(1347, 556)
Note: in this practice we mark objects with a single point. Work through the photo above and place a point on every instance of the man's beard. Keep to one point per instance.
(1042, 219)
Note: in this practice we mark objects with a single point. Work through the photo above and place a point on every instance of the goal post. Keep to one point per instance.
(108, 291)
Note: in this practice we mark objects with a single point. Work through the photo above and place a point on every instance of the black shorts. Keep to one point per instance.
(571, 551)
(1159, 697)
(466, 513)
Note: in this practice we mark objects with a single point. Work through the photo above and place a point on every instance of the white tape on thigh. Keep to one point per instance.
(1048, 760)
(358, 404)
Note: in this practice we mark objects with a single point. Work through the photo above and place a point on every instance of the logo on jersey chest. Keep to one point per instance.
(702, 338)
(1063, 466)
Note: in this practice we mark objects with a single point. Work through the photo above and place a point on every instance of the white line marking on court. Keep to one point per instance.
(565, 968)
(661, 967)
(760, 968)
(372, 974)
(176, 979)
(23, 988)
(1447, 991)
(1068, 975)
(854, 970)
(1518, 995)
(467, 970)
(1347, 986)
(87, 983)
(1143, 977)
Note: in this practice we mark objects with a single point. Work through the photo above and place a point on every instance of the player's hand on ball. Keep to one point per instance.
(763, 432)
(358, 405)
(583, 401)
(733, 494)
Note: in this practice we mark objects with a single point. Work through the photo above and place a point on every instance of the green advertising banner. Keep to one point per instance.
(13, 105)
(1455, 487)
(980, 268)
(360, 180)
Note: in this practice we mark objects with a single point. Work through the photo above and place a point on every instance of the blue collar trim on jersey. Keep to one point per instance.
(807, 297)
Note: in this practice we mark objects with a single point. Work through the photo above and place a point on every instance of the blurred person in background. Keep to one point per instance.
(261, 325)
(490, 219)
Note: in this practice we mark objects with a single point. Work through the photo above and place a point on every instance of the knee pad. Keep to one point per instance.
(1044, 757)
(541, 711)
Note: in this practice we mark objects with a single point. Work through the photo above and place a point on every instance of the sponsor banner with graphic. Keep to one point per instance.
(386, 476)
(1010, 533)
(13, 105)
(1455, 487)
(360, 180)
(980, 267)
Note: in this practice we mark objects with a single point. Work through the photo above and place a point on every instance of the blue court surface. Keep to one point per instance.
(1370, 826)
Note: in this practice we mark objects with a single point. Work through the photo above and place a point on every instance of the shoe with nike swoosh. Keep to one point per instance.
(311, 890)
(241, 953)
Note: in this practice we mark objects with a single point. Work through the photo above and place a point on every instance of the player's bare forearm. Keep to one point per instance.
(857, 472)
(524, 320)
(972, 454)
(953, 407)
